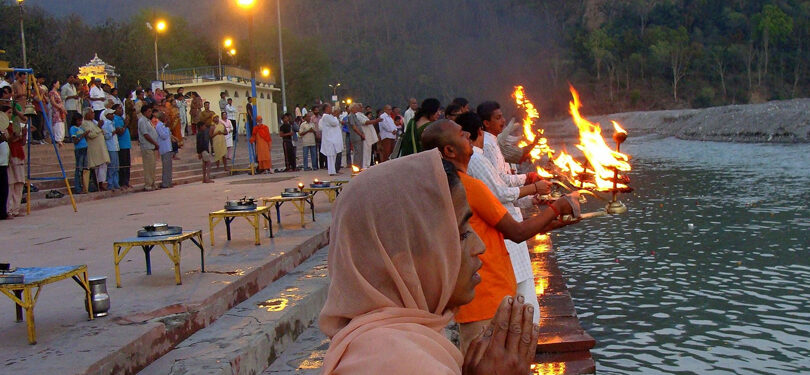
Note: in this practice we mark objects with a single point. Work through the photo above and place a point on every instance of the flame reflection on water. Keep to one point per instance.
(551, 368)
(275, 304)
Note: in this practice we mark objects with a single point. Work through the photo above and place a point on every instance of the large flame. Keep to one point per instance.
(602, 158)
(540, 144)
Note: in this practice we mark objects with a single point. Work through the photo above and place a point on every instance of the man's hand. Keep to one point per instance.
(508, 345)
(543, 187)
(532, 177)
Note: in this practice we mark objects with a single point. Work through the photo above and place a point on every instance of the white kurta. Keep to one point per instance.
(331, 137)
(493, 153)
(481, 168)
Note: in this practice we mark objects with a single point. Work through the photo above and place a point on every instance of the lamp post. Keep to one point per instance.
(227, 43)
(334, 91)
(248, 6)
(160, 26)
(281, 59)
(22, 34)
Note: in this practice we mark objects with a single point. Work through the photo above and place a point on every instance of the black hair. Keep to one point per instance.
(115, 106)
(138, 92)
(470, 123)
(145, 108)
(486, 109)
(461, 102)
(452, 107)
(428, 108)
(452, 173)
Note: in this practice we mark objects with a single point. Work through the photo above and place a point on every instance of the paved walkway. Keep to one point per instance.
(150, 313)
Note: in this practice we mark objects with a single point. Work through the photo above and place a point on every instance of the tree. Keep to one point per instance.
(599, 44)
(673, 48)
(772, 24)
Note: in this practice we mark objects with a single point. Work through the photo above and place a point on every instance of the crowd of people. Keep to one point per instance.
(463, 257)
(459, 252)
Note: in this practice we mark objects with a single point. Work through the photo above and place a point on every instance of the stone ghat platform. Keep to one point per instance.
(150, 314)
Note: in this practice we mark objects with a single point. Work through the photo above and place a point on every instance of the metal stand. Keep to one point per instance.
(38, 100)
(251, 153)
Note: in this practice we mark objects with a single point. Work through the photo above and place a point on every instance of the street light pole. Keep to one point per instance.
(157, 77)
(281, 59)
(22, 34)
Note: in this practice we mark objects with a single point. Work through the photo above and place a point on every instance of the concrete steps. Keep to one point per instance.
(186, 170)
(251, 336)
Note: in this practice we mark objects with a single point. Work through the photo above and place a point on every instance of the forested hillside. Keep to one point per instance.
(622, 55)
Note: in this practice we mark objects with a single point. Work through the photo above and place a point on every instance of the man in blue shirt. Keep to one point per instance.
(165, 149)
(124, 145)
(81, 179)
(111, 139)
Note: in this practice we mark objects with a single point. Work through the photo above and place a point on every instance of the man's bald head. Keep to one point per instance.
(451, 140)
(438, 134)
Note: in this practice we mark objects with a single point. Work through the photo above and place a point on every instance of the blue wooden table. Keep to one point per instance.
(122, 247)
(37, 277)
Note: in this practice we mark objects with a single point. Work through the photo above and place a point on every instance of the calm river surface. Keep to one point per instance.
(708, 272)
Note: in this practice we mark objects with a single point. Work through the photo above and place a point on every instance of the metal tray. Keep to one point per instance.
(241, 207)
(169, 231)
(321, 185)
(12, 278)
(294, 195)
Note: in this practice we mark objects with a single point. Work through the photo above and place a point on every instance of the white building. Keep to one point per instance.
(235, 82)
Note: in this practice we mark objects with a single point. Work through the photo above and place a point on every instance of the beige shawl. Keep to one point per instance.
(394, 256)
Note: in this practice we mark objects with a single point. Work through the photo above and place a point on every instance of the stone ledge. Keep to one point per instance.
(247, 339)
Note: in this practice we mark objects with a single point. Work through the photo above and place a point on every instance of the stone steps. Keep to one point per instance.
(249, 337)
(186, 170)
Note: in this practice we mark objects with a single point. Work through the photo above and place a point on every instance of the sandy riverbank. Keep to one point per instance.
(785, 121)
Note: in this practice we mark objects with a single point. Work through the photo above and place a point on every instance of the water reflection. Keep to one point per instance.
(709, 270)
(275, 304)
(551, 368)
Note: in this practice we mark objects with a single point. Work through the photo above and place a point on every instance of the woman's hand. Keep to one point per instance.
(508, 345)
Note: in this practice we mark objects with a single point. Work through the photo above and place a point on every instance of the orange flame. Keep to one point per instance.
(567, 164)
(601, 157)
(550, 368)
(618, 128)
(541, 146)
(355, 169)
(544, 173)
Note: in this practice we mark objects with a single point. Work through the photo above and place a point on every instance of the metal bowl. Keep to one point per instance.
(291, 190)
(156, 227)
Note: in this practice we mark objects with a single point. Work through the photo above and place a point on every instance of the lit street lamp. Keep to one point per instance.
(160, 26)
(265, 72)
(248, 6)
(227, 43)
(22, 34)
(334, 91)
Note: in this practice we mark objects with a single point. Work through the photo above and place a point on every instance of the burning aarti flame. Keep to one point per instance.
(539, 144)
(604, 161)
(355, 169)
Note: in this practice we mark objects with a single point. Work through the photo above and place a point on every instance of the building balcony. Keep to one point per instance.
(211, 74)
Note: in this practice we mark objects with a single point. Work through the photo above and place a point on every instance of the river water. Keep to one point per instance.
(709, 270)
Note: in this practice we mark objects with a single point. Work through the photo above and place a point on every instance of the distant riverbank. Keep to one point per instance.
(786, 121)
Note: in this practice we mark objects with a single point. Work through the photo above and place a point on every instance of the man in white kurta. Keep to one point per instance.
(494, 122)
(331, 139)
(370, 137)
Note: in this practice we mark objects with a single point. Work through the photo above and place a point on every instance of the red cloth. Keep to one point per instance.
(262, 131)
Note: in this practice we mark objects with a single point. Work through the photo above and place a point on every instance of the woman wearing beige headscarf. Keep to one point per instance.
(399, 271)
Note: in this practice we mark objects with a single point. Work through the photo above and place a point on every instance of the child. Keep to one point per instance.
(82, 176)
(204, 150)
